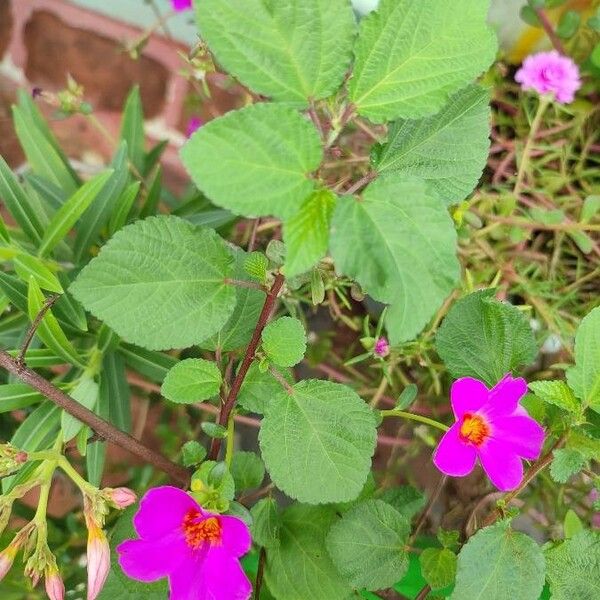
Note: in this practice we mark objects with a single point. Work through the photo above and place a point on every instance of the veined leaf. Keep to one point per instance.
(159, 283)
(557, 393)
(255, 161)
(399, 243)
(317, 443)
(448, 150)
(123, 207)
(86, 393)
(14, 396)
(114, 385)
(260, 389)
(96, 451)
(438, 566)
(192, 380)
(27, 266)
(411, 56)
(292, 50)
(284, 341)
(71, 211)
(148, 363)
(51, 194)
(132, 128)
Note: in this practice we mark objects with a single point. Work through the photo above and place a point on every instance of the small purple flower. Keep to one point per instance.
(492, 426)
(180, 5)
(197, 550)
(550, 73)
(382, 347)
(193, 125)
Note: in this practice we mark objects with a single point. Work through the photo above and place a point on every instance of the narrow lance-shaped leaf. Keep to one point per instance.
(132, 128)
(27, 266)
(86, 393)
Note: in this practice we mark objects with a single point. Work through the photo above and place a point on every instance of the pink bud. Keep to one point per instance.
(55, 588)
(382, 347)
(98, 559)
(121, 497)
(193, 125)
(6, 560)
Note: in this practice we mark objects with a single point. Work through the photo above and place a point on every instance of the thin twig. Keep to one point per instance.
(361, 183)
(34, 325)
(262, 559)
(103, 428)
(263, 319)
(430, 502)
(315, 118)
(253, 233)
(245, 284)
(549, 29)
(281, 379)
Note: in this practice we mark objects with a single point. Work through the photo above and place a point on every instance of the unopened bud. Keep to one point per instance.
(121, 497)
(382, 347)
(11, 459)
(98, 560)
(55, 588)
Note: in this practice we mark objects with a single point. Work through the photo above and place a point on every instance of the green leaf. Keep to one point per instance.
(265, 522)
(255, 161)
(71, 211)
(407, 500)
(159, 283)
(306, 235)
(256, 264)
(284, 341)
(317, 443)
(67, 309)
(19, 206)
(259, 389)
(292, 50)
(557, 393)
(368, 545)
(584, 377)
(583, 443)
(499, 563)
(407, 397)
(298, 568)
(15, 396)
(192, 453)
(448, 150)
(438, 566)
(153, 365)
(27, 266)
(573, 568)
(192, 380)
(247, 470)
(86, 393)
(411, 56)
(484, 338)
(214, 430)
(572, 524)
(399, 243)
(123, 207)
(96, 451)
(49, 330)
(114, 386)
(566, 463)
(132, 128)
(238, 329)
(52, 195)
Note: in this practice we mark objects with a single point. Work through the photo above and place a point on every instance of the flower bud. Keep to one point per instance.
(382, 347)
(98, 559)
(7, 558)
(55, 588)
(11, 459)
(119, 497)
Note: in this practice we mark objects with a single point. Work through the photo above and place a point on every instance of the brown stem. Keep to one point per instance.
(262, 559)
(103, 428)
(312, 112)
(253, 233)
(281, 379)
(263, 319)
(361, 183)
(434, 496)
(34, 325)
(549, 29)
(423, 593)
(245, 284)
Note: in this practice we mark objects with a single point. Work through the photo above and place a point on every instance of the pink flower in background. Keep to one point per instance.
(180, 5)
(550, 73)
(197, 550)
(193, 125)
(382, 347)
(492, 426)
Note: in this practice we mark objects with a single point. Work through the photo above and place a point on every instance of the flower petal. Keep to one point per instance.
(236, 536)
(501, 464)
(453, 456)
(467, 395)
(161, 511)
(524, 435)
(151, 560)
(504, 397)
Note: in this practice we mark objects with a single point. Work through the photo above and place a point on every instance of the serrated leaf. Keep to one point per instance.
(499, 563)
(572, 524)
(293, 51)
(448, 150)
(70, 212)
(256, 265)
(192, 380)
(557, 393)
(214, 430)
(566, 463)
(306, 235)
(584, 377)
(259, 389)
(317, 443)
(192, 453)
(298, 567)
(255, 161)
(411, 56)
(484, 338)
(159, 283)
(573, 567)
(265, 522)
(586, 445)
(284, 341)
(86, 393)
(438, 566)
(407, 500)
(247, 470)
(368, 545)
(399, 243)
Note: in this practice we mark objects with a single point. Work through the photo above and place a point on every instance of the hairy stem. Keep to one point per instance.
(412, 417)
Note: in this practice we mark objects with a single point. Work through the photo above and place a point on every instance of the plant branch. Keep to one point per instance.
(549, 29)
(413, 417)
(103, 428)
(231, 399)
(34, 325)
(361, 183)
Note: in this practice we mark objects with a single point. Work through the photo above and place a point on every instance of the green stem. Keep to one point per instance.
(80, 482)
(230, 439)
(413, 417)
(525, 158)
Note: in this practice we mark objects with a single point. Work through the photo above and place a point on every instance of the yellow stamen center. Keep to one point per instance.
(474, 429)
(198, 530)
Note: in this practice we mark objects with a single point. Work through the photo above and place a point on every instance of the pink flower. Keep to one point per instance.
(98, 560)
(197, 550)
(492, 426)
(120, 497)
(180, 5)
(193, 125)
(550, 73)
(55, 588)
(382, 347)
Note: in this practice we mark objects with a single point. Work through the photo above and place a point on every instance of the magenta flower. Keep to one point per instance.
(550, 73)
(180, 5)
(193, 125)
(492, 426)
(382, 347)
(197, 550)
